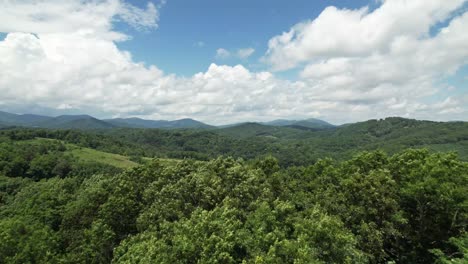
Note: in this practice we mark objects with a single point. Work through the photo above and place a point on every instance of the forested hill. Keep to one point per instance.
(373, 208)
(86, 122)
(291, 146)
(132, 195)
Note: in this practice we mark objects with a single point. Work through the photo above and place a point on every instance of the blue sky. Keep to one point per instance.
(175, 45)
(233, 61)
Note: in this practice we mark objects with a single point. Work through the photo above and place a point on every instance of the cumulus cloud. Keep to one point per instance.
(385, 59)
(63, 55)
(344, 32)
(88, 17)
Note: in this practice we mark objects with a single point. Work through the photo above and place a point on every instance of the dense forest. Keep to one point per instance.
(290, 145)
(380, 191)
(233, 132)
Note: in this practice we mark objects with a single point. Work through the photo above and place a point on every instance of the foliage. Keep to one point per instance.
(291, 146)
(410, 207)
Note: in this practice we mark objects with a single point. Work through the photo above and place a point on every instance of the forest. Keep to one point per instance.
(233, 132)
(380, 191)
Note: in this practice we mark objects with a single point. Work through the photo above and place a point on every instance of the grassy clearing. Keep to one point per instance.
(87, 154)
(91, 155)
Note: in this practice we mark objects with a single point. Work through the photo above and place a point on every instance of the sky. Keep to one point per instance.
(224, 62)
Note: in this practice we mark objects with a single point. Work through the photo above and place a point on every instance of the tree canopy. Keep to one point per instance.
(410, 207)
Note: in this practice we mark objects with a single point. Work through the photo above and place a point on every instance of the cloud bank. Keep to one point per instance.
(353, 64)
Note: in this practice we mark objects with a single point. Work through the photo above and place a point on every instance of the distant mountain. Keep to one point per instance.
(20, 120)
(292, 145)
(3, 125)
(8, 118)
(74, 122)
(62, 122)
(280, 122)
(30, 118)
(133, 122)
(89, 122)
(188, 123)
(306, 123)
(142, 123)
(246, 130)
(393, 127)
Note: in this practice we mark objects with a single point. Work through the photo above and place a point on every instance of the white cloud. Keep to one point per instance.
(449, 105)
(245, 53)
(139, 18)
(346, 33)
(71, 62)
(87, 17)
(385, 59)
(222, 53)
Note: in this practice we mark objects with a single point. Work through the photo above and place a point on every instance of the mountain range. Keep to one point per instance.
(89, 122)
(292, 141)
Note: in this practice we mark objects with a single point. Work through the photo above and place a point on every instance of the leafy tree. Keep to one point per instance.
(433, 196)
(459, 256)
(27, 241)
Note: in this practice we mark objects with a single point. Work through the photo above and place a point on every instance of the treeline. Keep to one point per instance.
(407, 208)
(292, 147)
(44, 159)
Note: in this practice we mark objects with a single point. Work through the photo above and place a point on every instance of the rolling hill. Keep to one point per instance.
(9, 119)
(306, 123)
(143, 123)
(291, 146)
(74, 122)
(248, 130)
(293, 142)
(89, 122)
